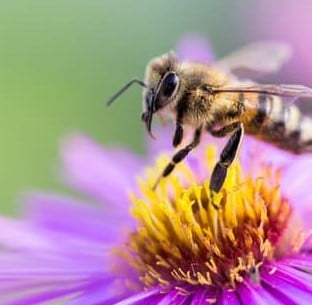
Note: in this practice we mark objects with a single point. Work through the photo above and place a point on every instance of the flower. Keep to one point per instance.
(271, 23)
(134, 245)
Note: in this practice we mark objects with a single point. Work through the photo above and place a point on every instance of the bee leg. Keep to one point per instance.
(179, 156)
(178, 135)
(227, 156)
(224, 131)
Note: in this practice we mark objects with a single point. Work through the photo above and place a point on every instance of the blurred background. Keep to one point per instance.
(60, 60)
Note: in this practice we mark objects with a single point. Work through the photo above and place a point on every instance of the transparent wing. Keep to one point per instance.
(293, 94)
(289, 90)
(256, 59)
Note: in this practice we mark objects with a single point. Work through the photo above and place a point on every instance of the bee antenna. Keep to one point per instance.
(124, 88)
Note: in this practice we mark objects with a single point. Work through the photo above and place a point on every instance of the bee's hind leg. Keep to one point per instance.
(179, 156)
(227, 156)
(224, 131)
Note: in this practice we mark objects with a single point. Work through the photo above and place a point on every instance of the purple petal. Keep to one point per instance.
(173, 297)
(20, 234)
(163, 141)
(42, 296)
(296, 185)
(98, 294)
(228, 297)
(84, 221)
(103, 174)
(290, 290)
(33, 265)
(50, 251)
(206, 295)
(302, 261)
(140, 298)
(44, 276)
(254, 153)
(295, 277)
(194, 47)
(106, 290)
(255, 295)
(199, 297)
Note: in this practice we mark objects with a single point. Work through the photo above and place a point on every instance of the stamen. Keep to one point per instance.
(182, 239)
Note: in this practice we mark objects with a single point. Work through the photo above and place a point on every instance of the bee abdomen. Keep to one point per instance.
(263, 110)
(283, 124)
(305, 137)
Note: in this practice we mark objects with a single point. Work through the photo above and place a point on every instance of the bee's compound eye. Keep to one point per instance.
(169, 84)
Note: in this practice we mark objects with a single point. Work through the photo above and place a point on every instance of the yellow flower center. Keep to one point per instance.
(182, 239)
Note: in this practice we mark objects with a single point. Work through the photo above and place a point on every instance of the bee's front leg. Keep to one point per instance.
(227, 156)
(178, 134)
(180, 155)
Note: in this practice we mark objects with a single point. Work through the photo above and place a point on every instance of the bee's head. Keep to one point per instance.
(160, 87)
(162, 83)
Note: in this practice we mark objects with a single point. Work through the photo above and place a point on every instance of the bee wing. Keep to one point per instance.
(256, 58)
(293, 94)
(286, 90)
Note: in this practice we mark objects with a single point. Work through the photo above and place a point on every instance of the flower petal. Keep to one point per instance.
(102, 293)
(50, 211)
(229, 297)
(47, 291)
(141, 298)
(303, 262)
(253, 149)
(288, 289)
(103, 174)
(194, 47)
(44, 276)
(199, 296)
(255, 295)
(295, 277)
(296, 185)
(40, 297)
(23, 236)
(162, 143)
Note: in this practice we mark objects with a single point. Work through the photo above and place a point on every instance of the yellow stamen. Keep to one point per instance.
(181, 238)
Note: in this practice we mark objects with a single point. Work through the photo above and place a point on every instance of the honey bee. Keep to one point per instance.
(212, 98)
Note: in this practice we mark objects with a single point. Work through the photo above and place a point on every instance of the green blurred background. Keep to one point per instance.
(60, 60)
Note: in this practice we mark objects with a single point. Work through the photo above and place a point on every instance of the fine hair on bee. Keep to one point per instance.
(211, 98)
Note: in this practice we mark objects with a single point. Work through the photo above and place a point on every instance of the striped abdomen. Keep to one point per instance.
(280, 123)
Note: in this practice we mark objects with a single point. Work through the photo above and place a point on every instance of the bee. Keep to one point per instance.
(212, 98)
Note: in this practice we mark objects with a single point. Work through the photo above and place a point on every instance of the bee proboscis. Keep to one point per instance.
(211, 98)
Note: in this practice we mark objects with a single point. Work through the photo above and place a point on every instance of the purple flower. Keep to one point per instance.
(194, 47)
(270, 19)
(128, 244)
